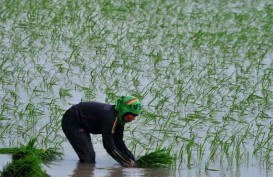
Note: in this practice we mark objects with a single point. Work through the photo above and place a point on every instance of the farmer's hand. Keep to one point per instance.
(133, 164)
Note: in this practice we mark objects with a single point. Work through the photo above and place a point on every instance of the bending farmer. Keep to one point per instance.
(100, 118)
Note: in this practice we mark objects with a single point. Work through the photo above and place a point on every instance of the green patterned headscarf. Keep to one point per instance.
(127, 104)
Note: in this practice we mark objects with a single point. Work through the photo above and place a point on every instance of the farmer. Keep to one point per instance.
(100, 118)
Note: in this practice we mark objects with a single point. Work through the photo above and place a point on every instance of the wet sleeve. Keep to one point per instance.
(109, 145)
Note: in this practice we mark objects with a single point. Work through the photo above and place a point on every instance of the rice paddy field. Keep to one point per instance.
(203, 70)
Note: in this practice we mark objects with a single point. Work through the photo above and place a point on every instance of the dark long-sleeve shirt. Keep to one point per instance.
(101, 118)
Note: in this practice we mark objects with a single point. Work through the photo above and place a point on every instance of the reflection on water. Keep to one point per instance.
(68, 167)
(105, 166)
(86, 170)
(83, 169)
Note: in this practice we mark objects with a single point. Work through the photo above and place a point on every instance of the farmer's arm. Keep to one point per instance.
(109, 145)
(119, 142)
(118, 155)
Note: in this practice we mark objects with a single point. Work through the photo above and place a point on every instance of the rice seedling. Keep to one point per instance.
(189, 149)
(64, 93)
(160, 158)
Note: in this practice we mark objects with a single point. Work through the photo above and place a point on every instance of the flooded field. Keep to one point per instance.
(203, 70)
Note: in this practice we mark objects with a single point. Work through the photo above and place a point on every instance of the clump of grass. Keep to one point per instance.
(160, 158)
(26, 160)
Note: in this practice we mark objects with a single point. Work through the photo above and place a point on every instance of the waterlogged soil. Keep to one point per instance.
(105, 166)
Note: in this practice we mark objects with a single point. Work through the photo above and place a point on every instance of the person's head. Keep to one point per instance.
(127, 107)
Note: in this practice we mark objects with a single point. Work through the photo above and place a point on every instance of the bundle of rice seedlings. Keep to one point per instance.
(27, 166)
(160, 158)
(44, 154)
(48, 154)
(27, 160)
